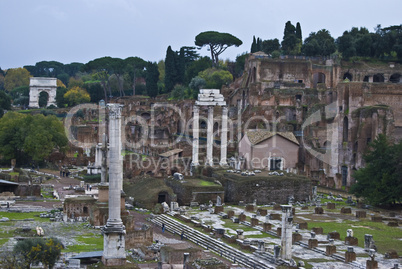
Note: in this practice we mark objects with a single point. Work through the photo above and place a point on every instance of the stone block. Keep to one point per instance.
(303, 225)
(371, 264)
(318, 210)
(350, 256)
(230, 214)
(293, 211)
(317, 230)
(312, 243)
(329, 250)
(296, 237)
(376, 218)
(254, 222)
(218, 209)
(392, 214)
(393, 224)
(334, 235)
(331, 206)
(360, 214)
(279, 231)
(351, 241)
(250, 208)
(263, 212)
(266, 226)
(304, 208)
(391, 254)
(277, 207)
(346, 210)
(276, 217)
(242, 217)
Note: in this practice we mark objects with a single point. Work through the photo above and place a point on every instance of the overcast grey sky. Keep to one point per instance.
(82, 30)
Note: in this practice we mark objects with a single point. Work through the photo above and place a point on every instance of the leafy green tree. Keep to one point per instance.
(380, 182)
(76, 96)
(5, 103)
(195, 85)
(346, 45)
(291, 44)
(170, 69)
(43, 99)
(26, 137)
(60, 101)
(151, 79)
(16, 77)
(270, 45)
(197, 66)
(190, 54)
(217, 42)
(215, 78)
(319, 44)
(253, 45)
(33, 251)
(135, 69)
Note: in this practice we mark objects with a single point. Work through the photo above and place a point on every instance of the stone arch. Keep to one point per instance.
(366, 79)
(378, 77)
(43, 99)
(38, 85)
(395, 78)
(326, 145)
(318, 77)
(348, 76)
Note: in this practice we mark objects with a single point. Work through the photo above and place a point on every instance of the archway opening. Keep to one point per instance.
(344, 173)
(43, 99)
(348, 76)
(378, 78)
(318, 78)
(395, 78)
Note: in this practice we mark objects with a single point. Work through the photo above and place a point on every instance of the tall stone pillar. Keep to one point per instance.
(224, 136)
(286, 236)
(113, 240)
(210, 131)
(104, 160)
(196, 134)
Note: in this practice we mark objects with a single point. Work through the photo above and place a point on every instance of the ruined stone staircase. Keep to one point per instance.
(219, 247)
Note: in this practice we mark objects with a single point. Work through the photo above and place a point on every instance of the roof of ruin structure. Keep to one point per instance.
(42, 82)
(257, 136)
(170, 153)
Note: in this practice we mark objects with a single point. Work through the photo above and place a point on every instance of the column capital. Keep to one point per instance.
(115, 110)
(196, 109)
(211, 109)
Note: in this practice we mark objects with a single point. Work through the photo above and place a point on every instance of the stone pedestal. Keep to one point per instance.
(250, 208)
(318, 210)
(371, 264)
(242, 217)
(230, 213)
(346, 210)
(334, 235)
(279, 231)
(312, 243)
(254, 222)
(218, 209)
(331, 206)
(376, 218)
(351, 241)
(263, 212)
(303, 225)
(276, 207)
(317, 230)
(275, 217)
(350, 256)
(240, 234)
(360, 214)
(286, 236)
(266, 226)
(296, 237)
(329, 250)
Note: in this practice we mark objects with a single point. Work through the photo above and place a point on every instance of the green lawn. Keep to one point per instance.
(87, 242)
(385, 237)
(22, 216)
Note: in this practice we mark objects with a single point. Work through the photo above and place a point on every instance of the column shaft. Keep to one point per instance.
(224, 136)
(210, 131)
(196, 135)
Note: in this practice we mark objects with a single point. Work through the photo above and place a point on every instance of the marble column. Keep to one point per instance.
(104, 160)
(210, 131)
(196, 135)
(224, 136)
(114, 243)
(286, 236)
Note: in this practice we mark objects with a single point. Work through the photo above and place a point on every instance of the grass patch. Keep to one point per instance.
(87, 242)
(385, 237)
(205, 183)
(22, 216)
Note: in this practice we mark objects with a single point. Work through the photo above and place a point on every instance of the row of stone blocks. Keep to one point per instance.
(350, 255)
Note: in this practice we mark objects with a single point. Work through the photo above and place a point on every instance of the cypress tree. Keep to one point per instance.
(253, 46)
(151, 79)
(298, 31)
(170, 69)
(180, 66)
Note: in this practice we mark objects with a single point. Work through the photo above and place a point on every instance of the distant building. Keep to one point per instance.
(269, 150)
(38, 85)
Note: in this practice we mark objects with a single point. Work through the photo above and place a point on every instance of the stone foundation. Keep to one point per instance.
(329, 250)
(360, 214)
(312, 243)
(266, 226)
(351, 241)
(317, 230)
(346, 210)
(318, 210)
(331, 206)
(296, 237)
